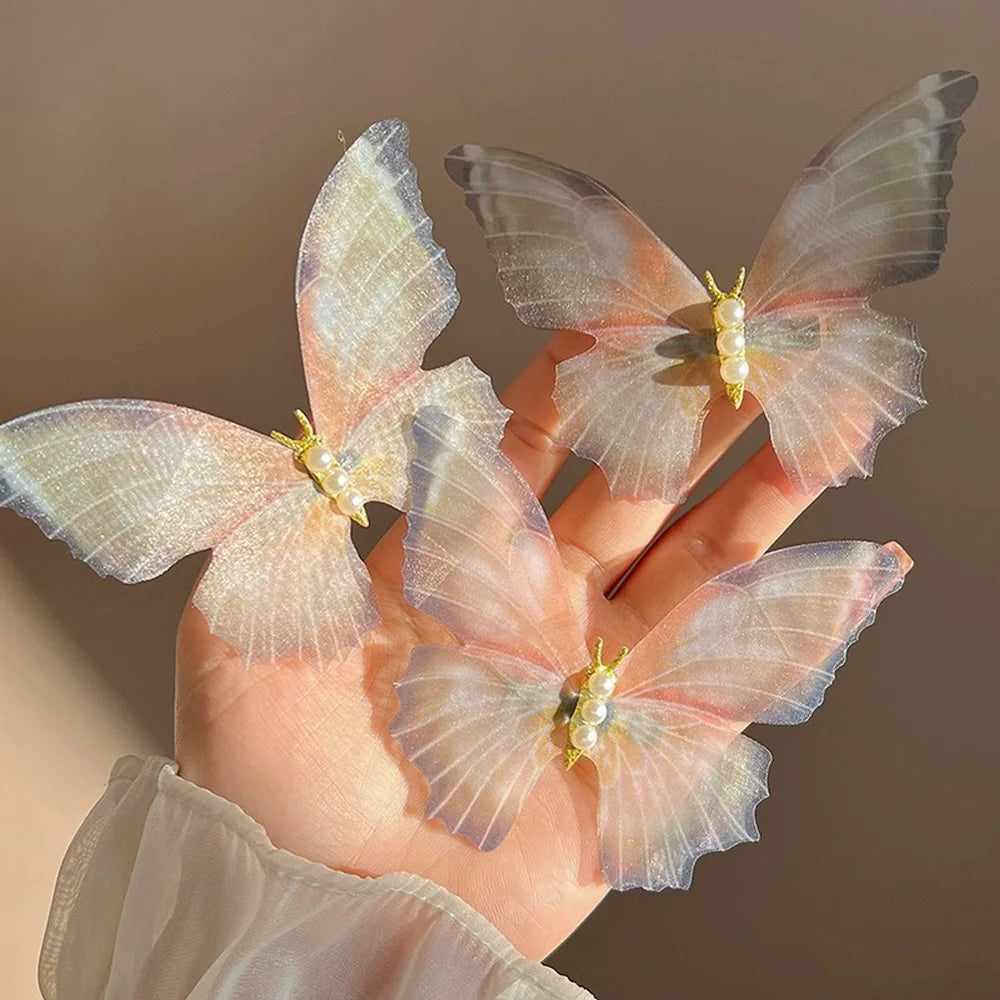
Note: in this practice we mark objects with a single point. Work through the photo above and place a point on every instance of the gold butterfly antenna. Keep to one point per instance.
(591, 705)
(597, 658)
(302, 444)
(717, 294)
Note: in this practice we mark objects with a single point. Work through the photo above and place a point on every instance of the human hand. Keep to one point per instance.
(307, 754)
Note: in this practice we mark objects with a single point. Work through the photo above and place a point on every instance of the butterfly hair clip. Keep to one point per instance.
(797, 332)
(662, 724)
(132, 486)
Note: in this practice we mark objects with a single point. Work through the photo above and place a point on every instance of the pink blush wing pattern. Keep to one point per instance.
(132, 486)
(869, 212)
(571, 255)
(760, 643)
(479, 555)
(289, 585)
(373, 288)
(478, 725)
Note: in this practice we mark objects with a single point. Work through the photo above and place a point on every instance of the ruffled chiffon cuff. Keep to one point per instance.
(169, 891)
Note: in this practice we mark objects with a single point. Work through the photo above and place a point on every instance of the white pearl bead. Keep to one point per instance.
(594, 711)
(730, 342)
(584, 737)
(336, 482)
(317, 459)
(601, 684)
(350, 502)
(730, 312)
(734, 371)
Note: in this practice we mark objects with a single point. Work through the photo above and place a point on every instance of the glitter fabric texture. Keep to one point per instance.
(760, 643)
(132, 486)
(833, 375)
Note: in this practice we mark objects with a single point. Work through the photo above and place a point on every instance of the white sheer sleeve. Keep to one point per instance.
(169, 891)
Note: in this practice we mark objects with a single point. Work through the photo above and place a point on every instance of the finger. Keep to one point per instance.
(735, 524)
(601, 537)
(529, 440)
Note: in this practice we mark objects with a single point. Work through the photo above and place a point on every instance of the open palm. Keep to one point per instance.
(307, 753)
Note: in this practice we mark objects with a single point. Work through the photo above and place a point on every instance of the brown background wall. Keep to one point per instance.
(157, 164)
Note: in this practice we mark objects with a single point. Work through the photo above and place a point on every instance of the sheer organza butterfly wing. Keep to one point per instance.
(478, 725)
(479, 555)
(760, 643)
(477, 719)
(570, 255)
(133, 486)
(289, 584)
(373, 290)
(675, 783)
(868, 212)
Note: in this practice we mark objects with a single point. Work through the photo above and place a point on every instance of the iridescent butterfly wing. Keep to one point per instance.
(477, 718)
(868, 212)
(570, 255)
(759, 643)
(133, 486)
(373, 291)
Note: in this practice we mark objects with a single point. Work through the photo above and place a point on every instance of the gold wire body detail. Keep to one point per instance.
(728, 316)
(325, 471)
(592, 704)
